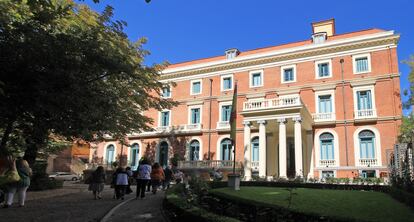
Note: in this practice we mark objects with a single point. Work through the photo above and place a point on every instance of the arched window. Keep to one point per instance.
(163, 157)
(110, 154)
(255, 149)
(367, 144)
(327, 147)
(134, 157)
(194, 150)
(226, 149)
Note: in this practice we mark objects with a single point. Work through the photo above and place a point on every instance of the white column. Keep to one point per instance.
(298, 147)
(262, 148)
(282, 148)
(311, 146)
(247, 152)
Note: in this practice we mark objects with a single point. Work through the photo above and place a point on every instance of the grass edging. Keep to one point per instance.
(183, 211)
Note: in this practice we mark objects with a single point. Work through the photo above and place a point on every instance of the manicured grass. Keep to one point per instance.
(360, 205)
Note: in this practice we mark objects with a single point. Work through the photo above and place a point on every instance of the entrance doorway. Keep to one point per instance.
(290, 152)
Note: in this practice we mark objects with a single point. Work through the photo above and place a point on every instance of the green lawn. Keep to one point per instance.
(363, 205)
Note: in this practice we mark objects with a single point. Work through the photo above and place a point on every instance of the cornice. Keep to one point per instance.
(288, 56)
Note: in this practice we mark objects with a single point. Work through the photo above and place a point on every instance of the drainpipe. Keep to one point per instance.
(344, 107)
(209, 121)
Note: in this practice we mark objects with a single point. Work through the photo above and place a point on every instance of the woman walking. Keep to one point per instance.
(121, 183)
(143, 178)
(24, 171)
(98, 182)
(157, 176)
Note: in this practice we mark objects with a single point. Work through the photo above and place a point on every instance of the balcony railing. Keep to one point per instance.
(271, 103)
(207, 164)
(368, 162)
(223, 125)
(186, 127)
(365, 113)
(320, 117)
(327, 163)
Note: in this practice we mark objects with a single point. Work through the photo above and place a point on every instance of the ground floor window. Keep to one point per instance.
(134, 158)
(110, 154)
(367, 173)
(163, 155)
(255, 149)
(226, 149)
(327, 174)
(194, 150)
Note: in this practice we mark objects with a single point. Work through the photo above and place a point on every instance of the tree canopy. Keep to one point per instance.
(70, 71)
(407, 126)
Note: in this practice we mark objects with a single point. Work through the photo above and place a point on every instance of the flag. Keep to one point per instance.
(233, 116)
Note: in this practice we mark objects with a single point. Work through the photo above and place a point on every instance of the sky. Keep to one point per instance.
(184, 30)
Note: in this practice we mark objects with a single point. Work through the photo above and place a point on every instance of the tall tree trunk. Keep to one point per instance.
(34, 142)
(6, 136)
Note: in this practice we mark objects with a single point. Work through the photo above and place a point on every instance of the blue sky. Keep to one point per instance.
(184, 30)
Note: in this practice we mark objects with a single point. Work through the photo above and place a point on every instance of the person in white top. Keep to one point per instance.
(121, 183)
(143, 177)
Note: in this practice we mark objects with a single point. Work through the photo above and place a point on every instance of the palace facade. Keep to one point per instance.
(326, 106)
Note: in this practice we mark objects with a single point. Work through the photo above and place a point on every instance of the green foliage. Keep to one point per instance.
(70, 71)
(407, 126)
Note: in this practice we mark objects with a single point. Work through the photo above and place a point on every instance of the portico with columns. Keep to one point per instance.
(285, 142)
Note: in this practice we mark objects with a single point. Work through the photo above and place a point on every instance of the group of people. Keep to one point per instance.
(146, 176)
(19, 184)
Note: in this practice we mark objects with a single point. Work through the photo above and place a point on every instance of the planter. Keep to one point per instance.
(234, 181)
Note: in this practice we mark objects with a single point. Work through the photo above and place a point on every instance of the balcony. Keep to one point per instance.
(277, 103)
(208, 164)
(255, 165)
(368, 162)
(365, 113)
(179, 128)
(327, 163)
(223, 125)
(323, 117)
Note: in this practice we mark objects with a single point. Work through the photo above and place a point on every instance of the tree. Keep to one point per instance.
(407, 126)
(70, 71)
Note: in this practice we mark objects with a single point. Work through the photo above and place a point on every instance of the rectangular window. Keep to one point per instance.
(364, 100)
(362, 64)
(165, 118)
(367, 173)
(327, 150)
(323, 69)
(288, 75)
(195, 115)
(225, 113)
(256, 79)
(325, 104)
(196, 87)
(327, 174)
(166, 92)
(227, 83)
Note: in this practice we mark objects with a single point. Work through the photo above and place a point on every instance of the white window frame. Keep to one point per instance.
(200, 152)
(132, 142)
(251, 73)
(355, 57)
(191, 86)
(318, 146)
(329, 61)
(162, 92)
(189, 113)
(105, 160)
(160, 115)
(324, 93)
(364, 88)
(222, 82)
(282, 72)
(221, 104)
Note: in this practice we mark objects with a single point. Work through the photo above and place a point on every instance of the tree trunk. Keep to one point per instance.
(34, 142)
(6, 136)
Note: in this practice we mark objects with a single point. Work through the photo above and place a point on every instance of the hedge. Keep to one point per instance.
(179, 210)
(45, 184)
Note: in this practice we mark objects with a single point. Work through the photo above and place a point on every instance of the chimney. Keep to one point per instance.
(326, 26)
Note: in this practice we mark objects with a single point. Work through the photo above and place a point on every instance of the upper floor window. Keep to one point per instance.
(318, 38)
(227, 82)
(225, 113)
(288, 74)
(195, 87)
(231, 53)
(256, 78)
(325, 103)
(166, 92)
(165, 118)
(364, 100)
(362, 63)
(323, 69)
(195, 115)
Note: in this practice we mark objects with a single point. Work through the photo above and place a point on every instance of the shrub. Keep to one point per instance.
(402, 196)
(45, 184)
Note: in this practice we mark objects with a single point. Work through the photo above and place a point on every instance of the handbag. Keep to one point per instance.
(11, 176)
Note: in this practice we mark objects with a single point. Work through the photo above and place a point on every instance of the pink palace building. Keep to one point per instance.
(326, 106)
